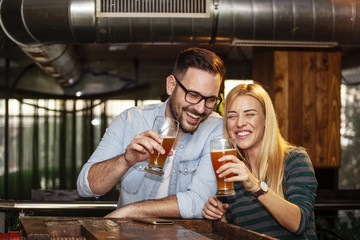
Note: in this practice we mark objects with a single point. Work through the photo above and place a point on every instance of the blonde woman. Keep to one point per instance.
(274, 181)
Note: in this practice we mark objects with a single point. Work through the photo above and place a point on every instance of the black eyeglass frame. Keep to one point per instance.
(219, 99)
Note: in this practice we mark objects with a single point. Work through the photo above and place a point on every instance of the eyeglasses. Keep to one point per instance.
(195, 97)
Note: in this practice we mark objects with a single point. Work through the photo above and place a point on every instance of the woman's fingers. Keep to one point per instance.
(234, 172)
(229, 158)
(213, 209)
(213, 201)
(236, 167)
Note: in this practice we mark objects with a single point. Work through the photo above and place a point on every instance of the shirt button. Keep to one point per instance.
(140, 167)
(181, 146)
(174, 171)
(185, 170)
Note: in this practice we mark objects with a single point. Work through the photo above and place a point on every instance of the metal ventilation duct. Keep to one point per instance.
(58, 60)
(313, 23)
(171, 8)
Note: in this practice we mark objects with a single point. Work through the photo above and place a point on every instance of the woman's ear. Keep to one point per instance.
(170, 85)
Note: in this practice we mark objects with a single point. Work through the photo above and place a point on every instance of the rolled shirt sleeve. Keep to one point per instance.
(117, 136)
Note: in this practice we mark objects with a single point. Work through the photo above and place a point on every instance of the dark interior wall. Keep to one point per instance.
(144, 79)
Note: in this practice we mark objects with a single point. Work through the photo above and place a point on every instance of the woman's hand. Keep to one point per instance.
(241, 173)
(214, 209)
(285, 212)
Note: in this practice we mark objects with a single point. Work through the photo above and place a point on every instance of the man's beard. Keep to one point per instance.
(178, 116)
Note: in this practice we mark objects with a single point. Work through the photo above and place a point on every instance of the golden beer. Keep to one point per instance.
(168, 129)
(224, 188)
(156, 160)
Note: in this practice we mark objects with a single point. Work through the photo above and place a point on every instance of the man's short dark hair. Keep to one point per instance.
(199, 58)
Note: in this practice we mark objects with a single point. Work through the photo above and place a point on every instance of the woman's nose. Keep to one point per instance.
(241, 122)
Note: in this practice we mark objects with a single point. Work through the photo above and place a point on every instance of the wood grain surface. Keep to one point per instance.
(304, 85)
(63, 228)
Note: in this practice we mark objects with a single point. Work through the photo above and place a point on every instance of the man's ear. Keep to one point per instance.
(170, 85)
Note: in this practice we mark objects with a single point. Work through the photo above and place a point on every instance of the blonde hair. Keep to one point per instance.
(273, 146)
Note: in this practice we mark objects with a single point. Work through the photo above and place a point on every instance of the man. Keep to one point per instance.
(182, 191)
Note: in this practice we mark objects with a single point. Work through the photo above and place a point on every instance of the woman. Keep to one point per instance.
(274, 181)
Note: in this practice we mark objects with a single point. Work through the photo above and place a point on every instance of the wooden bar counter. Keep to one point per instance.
(68, 228)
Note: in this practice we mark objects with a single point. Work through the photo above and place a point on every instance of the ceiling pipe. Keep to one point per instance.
(57, 58)
(56, 24)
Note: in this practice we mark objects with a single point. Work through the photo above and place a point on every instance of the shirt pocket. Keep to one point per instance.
(187, 169)
(132, 181)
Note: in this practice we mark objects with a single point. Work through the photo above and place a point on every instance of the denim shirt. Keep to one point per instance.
(192, 178)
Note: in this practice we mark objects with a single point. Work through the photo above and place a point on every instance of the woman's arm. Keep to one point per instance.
(286, 213)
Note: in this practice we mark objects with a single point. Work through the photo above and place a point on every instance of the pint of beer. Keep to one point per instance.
(167, 128)
(220, 148)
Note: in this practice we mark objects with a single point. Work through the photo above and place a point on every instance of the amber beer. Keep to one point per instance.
(167, 128)
(220, 148)
(158, 160)
(223, 187)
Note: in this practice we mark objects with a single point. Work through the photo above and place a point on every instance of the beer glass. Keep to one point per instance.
(167, 128)
(220, 148)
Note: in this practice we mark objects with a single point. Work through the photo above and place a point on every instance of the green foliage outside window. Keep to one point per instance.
(349, 173)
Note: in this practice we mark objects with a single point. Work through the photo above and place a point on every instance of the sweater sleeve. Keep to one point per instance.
(300, 185)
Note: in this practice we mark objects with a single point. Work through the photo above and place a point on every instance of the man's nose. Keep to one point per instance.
(200, 106)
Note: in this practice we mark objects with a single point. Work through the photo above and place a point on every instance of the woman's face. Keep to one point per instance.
(246, 122)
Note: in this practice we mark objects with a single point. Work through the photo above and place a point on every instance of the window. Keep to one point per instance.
(49, 140)
(231, 83)
(349, 173)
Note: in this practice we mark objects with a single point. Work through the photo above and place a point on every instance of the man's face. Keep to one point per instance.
(191, 115)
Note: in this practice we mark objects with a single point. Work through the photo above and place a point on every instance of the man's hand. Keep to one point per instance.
(103, 176)
(142, 146)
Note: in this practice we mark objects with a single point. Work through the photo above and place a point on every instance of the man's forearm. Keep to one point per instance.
(103, 176)
(165, 207)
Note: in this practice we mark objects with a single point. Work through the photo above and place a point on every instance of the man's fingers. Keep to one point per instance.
(148, 144)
